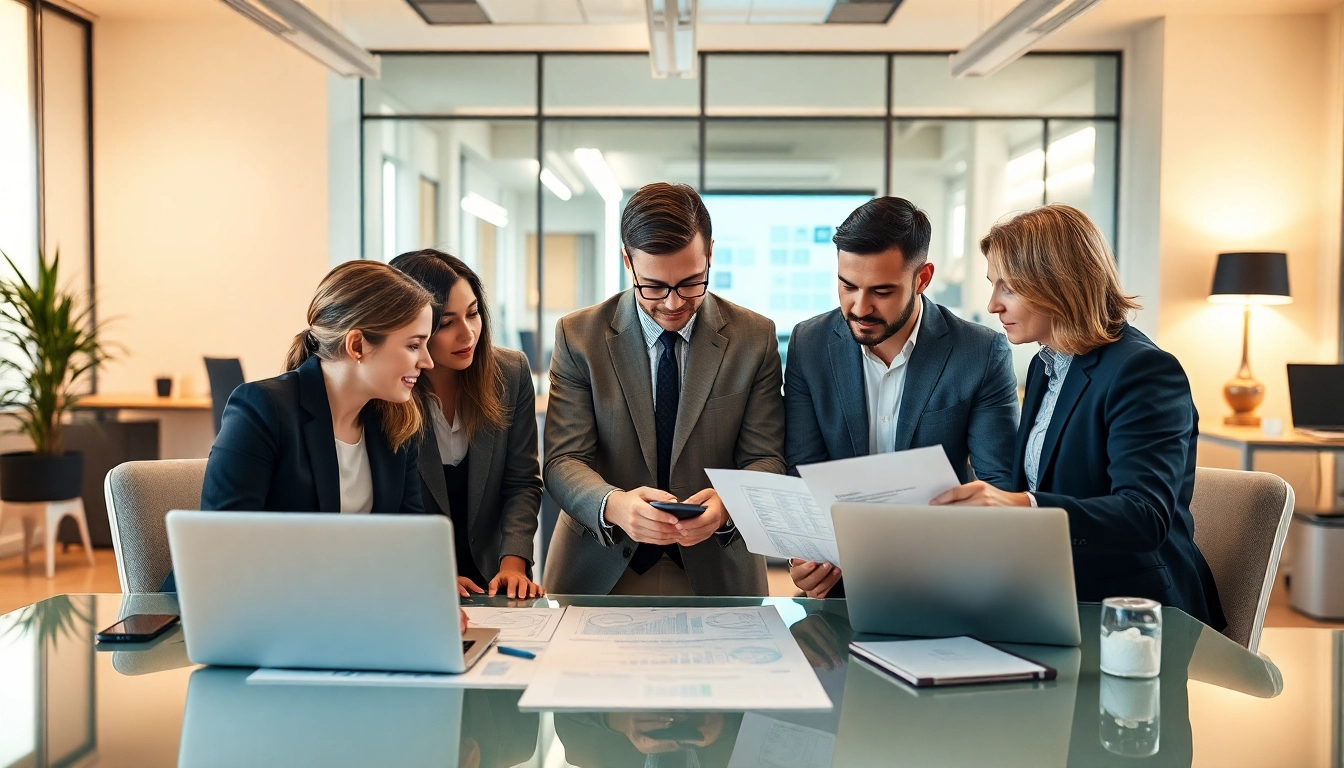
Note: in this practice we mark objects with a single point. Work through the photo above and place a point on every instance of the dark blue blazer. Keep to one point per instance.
(960, 393)
(276, 452)
(1119, 457)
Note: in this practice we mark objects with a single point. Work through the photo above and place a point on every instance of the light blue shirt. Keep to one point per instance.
(1056, 370)
(652, 333)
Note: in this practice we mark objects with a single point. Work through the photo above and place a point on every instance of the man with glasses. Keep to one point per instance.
(648, 389)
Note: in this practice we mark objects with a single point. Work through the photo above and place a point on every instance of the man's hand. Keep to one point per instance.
(630, 511)
(815, 579)
(701, 527)
(466, 587)
(982, 494)
(512, 577)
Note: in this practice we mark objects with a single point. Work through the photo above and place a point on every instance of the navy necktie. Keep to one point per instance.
(668, 383)
(665, 411)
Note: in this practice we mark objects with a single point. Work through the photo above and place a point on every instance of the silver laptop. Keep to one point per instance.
(321, 591)
(1001, 574)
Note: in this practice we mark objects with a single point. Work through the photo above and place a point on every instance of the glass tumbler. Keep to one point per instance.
(1131, 637)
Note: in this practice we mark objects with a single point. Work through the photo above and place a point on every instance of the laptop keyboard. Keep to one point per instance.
(466, 645)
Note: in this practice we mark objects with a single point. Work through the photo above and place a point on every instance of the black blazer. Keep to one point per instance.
(276, 452)
(1119, 457)
(503, 475)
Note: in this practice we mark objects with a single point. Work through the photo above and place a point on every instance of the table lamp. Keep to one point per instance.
(1247, 278)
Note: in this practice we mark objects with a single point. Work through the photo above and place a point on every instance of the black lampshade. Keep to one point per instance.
(1255, 277)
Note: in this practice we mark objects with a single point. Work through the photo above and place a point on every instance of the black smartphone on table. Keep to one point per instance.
(138, 628)
(681, 511)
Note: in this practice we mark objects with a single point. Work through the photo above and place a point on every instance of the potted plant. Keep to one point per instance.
(48, 344)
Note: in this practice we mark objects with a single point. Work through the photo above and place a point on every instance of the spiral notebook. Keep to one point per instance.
(948, 661)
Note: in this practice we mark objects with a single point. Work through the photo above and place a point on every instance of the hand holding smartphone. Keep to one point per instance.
(680, 511)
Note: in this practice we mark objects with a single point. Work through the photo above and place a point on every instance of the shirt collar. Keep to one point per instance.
(653, 331)
(441, 421)
(906, 350)
(1056, 363)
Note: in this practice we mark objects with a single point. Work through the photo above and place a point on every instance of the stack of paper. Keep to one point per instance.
(783, 516)
(674, 659)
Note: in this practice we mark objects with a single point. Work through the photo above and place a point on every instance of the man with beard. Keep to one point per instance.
(890, 370)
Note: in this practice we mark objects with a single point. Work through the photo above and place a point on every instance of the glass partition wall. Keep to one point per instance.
(521, 163)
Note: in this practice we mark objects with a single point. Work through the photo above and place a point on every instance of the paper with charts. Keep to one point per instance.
(674, 659)
(517, 625)
(783, 516)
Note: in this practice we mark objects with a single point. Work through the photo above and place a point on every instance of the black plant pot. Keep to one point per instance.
(29, 477)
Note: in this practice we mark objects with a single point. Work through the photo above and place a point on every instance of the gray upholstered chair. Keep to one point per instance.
(139, 495)
(1241, 522)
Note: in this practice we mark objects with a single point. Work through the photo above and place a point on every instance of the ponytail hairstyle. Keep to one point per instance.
(479, 404)
(374, 299)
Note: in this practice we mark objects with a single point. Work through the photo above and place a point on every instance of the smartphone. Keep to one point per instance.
(682, 511)
(137, 628)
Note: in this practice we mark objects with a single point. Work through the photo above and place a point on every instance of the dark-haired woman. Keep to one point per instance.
(478, 457)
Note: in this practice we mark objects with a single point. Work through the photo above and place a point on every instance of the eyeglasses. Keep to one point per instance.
(684, 290)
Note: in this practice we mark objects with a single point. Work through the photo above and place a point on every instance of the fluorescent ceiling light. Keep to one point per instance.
(553, 183)
(565, 171)
(672, 38)
(1015, 34)
(291, 21)
(599, 173)
(485, 210)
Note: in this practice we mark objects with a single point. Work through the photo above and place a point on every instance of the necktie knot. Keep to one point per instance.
(669, 340)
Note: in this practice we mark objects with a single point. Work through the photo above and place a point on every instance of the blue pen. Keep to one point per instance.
(519, 652)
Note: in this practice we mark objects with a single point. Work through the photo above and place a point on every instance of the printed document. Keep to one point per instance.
(783, 516)
(674, 659)
(516, 625)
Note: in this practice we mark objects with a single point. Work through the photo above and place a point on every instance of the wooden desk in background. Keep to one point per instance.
(1249, 440)
(139, 402)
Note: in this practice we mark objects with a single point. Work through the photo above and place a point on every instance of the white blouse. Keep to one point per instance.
(452, 439)
(356, 478)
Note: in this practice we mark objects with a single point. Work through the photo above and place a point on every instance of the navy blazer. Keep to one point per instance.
(276, 452)
(960, 393)
(1119, 457)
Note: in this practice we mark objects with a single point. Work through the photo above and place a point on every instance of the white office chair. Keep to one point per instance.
(47, 516)
(139, 495)
(1241, 523)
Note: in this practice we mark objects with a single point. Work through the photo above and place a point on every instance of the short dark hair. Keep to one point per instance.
(664, 218)
(884, 223)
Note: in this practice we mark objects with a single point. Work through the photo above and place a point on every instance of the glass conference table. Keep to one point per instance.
(64, 700)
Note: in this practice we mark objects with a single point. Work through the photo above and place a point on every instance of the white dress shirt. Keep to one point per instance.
(451, 438)
(356, 478)
(1056, 370)
(885, 386)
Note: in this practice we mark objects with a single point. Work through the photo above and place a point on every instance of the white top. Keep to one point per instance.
(885, 386)
(452, 439)
(356, 478)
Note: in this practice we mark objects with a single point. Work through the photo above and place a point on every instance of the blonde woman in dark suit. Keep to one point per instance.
(478, 454)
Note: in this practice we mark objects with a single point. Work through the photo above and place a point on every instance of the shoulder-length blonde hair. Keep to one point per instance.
(1057, 261)
(375, 299)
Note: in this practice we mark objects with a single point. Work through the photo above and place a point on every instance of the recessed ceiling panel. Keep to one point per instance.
(789, 11)
(534, 11)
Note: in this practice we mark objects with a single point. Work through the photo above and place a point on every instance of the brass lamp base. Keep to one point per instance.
(1244, 394)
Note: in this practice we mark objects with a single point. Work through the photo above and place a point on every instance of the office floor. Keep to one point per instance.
(20, 586)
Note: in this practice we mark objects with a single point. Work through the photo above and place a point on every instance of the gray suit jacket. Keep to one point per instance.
(600, 436)
(960, 393)
(503, 476)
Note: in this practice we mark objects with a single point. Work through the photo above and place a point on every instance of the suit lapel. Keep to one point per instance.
(922, 371)
(479, 456)
(1075, 383)
(847, 374)
(319, 437)
(630, 359)
(431, 468)
(1031, 405)
(702, 367)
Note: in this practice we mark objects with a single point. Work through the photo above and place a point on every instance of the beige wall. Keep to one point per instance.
(211, 197)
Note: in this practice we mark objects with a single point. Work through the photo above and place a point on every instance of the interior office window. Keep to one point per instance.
(389, 217)
(1082, 85)
(454, 85)
(18, 137)
(67, 220)
(613, 85)
(589, 170)
(1081, 169)
(796, 84)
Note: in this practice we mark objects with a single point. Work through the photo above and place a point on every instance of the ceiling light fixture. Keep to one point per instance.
(595, 167)
(672, 38)
(293, 22)
(1013, 35)
(485, 210)
(553, 183)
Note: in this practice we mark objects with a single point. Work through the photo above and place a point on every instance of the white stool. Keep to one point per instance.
(47, 515)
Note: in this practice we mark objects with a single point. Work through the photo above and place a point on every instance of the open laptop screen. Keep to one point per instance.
(1317, 395)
